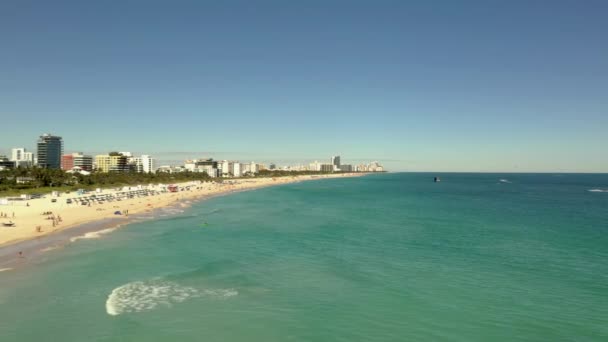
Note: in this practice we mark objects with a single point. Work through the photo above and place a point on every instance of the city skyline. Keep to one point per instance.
(417, 86)
(125, 161)
(15, 155)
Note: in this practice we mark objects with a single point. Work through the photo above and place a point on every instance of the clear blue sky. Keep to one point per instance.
(428, 85)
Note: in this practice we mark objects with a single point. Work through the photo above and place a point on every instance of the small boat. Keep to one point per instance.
(10, 224)
(437, 179)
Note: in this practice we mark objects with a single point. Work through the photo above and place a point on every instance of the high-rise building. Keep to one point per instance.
(17, 154)
(225, 167)
(335, 161)
(253, 168)
(236, 169)
(21, 157)
(147, 163)
(50, 149)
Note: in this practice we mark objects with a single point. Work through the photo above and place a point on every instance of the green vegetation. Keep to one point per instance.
(39, 180)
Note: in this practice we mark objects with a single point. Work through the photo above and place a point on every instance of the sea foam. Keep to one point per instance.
(141, 296)
(92, 235)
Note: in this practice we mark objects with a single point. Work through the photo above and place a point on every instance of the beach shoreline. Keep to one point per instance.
(77, 221)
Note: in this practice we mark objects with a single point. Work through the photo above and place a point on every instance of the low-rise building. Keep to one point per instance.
(316, 166)
(5, 163)
(326, 168)
(24, 180)
(79, 160)
(346, 168)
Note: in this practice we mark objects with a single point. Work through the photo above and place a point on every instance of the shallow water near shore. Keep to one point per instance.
(387, 257)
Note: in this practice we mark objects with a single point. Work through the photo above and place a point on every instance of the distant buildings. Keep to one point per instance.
(371, 167)
(124, 162)
(236, 169)
(148, 163)
(144, 163)
(316, 166)
(112, 162)
(21, 157)
(50, 149)
(5, 163)
(76, 160)
(346, 168)
(327, 167)
(171, 169)
(335, 161)
(224, 168)
(203, 165)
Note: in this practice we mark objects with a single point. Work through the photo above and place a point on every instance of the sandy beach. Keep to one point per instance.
(40, 217)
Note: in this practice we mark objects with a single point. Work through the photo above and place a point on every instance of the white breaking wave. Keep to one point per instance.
(141, 296)
(598, 190)
(504, 180)
(48, 249)
(93, 235)
(172, 210)
(5, 269)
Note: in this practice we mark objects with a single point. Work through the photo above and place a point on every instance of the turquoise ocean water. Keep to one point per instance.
(391, 257)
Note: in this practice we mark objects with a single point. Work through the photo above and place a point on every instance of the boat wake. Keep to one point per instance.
(141, 296)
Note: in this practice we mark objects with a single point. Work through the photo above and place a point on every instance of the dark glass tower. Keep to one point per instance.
(50, 149)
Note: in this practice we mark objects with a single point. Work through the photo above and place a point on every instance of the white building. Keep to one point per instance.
(236, 169)
(144, 163)
(253, 168)
(21, 157)
(147, 163)
(208, 166)
(316, 166)
(225, 168)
